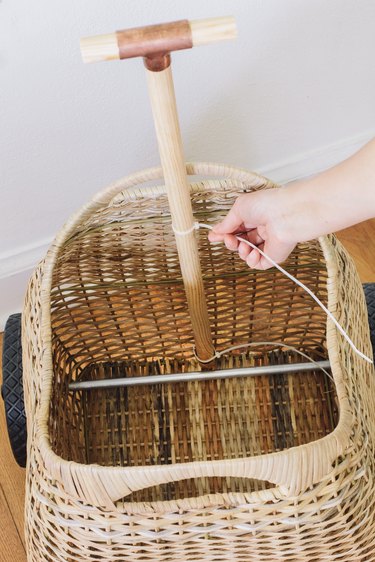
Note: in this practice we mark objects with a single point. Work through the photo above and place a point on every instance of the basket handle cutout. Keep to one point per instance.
(291, 471)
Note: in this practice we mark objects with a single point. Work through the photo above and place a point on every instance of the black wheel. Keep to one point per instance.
(369, 289)
(12, 388)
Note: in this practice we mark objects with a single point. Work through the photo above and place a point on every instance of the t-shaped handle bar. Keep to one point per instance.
(154, 43)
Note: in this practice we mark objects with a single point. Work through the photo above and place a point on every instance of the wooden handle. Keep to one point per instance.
(163, 102)
(154, 43)
(159, 39)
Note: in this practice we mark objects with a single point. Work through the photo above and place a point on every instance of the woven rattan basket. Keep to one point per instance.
(249, 469)
(252, 469)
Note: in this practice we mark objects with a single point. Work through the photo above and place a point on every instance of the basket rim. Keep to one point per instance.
(291, 470)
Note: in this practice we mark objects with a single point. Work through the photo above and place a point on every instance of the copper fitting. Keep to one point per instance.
(155, 42)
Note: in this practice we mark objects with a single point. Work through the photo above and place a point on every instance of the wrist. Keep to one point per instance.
(301, 213)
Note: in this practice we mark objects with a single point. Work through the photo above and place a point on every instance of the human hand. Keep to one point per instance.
(258, 217)
(275, 220)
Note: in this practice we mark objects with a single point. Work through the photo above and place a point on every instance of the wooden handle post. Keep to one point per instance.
(164, 109)
(154, 43)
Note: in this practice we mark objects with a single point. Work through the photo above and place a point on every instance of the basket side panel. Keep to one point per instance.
(333, 520)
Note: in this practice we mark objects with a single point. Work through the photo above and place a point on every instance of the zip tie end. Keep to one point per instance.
(185, 232)
(216, 355)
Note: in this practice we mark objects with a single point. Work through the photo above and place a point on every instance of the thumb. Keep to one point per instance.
(234, 218)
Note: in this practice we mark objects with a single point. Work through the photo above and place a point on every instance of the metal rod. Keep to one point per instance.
(197, 376)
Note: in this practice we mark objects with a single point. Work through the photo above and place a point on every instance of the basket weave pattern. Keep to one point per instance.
(293, 455)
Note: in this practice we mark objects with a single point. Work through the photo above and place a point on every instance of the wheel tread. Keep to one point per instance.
(12, 388)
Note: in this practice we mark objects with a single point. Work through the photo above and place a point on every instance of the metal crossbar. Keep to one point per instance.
(198, 376)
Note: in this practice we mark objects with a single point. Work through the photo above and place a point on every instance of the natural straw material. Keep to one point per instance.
(264, 469)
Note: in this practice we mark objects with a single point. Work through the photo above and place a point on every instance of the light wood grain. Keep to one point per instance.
(99, 48)
(12, 485)
(212, 30)
(164, 110)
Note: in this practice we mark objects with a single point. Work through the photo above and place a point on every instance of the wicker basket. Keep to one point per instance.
(250, 469)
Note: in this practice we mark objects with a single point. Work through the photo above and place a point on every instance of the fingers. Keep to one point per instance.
(247, 215)
(253, 259)
(274, 249)
(231, 242)
(252, 236)
(214, 236)
(233, 222)
(245, 251)
(248, 253)
(277, 251)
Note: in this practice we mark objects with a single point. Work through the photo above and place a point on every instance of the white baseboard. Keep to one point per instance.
(16, 266)
(12, 294)
(315, 161)
(22, 258)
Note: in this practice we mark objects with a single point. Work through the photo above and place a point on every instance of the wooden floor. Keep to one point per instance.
(12, 483)
(359, 241)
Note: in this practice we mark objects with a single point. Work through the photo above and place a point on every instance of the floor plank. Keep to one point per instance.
(358, 240)
(12, 549)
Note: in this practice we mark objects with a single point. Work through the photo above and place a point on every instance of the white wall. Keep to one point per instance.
(294, 93)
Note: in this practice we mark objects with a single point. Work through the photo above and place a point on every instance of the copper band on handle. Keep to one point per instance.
(155, 42)
(157, 62)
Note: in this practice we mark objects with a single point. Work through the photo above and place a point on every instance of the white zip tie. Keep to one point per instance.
(300, 284)
(195, 226)
(218, 354)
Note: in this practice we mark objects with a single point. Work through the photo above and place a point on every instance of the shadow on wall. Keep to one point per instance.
(252, 120)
